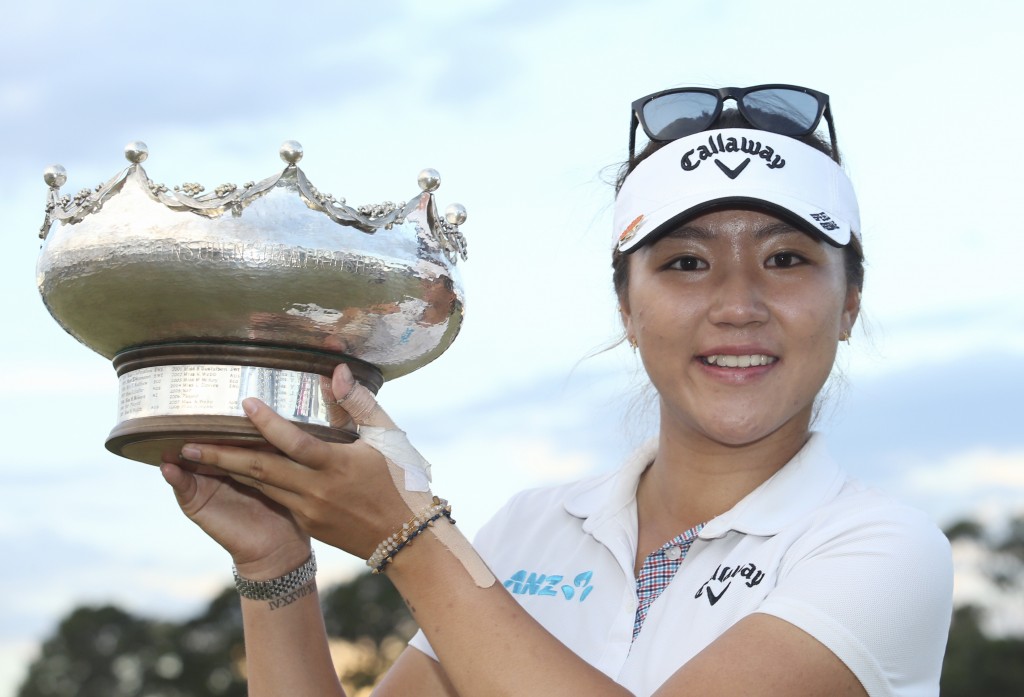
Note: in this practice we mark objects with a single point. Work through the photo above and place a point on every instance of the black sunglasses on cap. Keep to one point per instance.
(785, 109)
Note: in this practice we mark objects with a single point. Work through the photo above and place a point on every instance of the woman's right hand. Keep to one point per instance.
(260, 535)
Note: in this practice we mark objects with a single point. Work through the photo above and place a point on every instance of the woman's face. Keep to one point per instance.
(737, 316)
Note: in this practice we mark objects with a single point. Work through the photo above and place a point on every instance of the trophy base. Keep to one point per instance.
(157, 439)
(174, 394)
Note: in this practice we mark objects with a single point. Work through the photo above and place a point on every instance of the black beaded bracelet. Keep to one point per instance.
(387, 549)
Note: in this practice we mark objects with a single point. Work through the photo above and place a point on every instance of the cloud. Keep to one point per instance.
(15, 656)
(937, 408)
(972, 472)
(60, 381)
(41, 595)
(140, 69)
(943, 435)
(547, 463)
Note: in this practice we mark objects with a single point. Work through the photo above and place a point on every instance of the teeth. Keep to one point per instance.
(727, 361)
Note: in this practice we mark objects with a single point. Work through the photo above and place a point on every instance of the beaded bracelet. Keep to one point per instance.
(386, 550)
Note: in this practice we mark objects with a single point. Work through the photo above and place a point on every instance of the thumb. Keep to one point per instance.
(358, 401)
(377, 430)
(183, 484)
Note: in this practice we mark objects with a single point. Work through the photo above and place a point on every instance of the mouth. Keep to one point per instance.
(722, 360)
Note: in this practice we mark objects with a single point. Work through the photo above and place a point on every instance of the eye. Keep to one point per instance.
(785, 260)
(687, 263)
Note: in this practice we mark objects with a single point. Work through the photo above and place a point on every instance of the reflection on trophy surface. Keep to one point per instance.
(204, 299)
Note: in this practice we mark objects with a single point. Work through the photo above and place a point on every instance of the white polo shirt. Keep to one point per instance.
(869, 578)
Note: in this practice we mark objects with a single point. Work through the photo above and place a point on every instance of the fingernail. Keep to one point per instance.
(249, 406)
(191, 452)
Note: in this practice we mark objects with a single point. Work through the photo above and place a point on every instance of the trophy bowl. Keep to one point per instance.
(201, 300)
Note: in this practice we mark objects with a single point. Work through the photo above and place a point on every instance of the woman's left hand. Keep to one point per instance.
(342, 494)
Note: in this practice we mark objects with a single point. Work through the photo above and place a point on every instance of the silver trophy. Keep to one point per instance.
(260, 290)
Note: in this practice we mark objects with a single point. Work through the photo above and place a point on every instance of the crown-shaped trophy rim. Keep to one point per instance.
(231, 199)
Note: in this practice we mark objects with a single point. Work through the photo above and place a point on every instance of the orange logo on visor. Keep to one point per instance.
(631, 229)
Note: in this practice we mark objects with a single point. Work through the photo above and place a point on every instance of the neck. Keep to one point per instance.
(694, 479)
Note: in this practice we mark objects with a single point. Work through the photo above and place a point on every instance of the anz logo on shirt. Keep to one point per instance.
(532, 583)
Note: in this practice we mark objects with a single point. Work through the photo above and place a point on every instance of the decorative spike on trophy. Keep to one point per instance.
(260, 290)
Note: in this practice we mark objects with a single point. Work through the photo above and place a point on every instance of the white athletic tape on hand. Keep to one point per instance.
(410, 473)
(394, 445)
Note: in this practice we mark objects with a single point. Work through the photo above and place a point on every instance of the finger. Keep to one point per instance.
(197, 468)
(299, 446)
(358, 401)
(271, 474)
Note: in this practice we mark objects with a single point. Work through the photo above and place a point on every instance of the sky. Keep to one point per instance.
(523, 107)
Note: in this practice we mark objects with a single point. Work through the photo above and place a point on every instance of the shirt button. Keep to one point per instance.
(674, 553)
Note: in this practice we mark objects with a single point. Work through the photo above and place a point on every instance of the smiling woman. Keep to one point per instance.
(730, 556)
(736, 316)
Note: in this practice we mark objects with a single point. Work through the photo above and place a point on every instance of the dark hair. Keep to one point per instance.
(853, 253)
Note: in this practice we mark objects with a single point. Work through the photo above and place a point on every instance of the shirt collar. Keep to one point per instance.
(811, 478)
(805, 482)
(597, 500)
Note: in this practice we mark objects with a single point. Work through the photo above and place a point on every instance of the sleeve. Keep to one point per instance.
(876, 588)
(420, 643)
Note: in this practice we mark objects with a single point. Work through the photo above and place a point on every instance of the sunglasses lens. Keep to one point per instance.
(784, 111)
(678, 114)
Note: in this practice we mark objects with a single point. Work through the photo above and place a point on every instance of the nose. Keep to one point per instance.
(738, 301)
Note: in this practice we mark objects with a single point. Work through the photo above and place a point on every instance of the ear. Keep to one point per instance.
(851, 309)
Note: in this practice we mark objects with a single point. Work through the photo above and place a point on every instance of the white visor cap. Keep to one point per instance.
(739, 166)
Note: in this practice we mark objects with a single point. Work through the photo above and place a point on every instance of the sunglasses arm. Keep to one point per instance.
(634, 123)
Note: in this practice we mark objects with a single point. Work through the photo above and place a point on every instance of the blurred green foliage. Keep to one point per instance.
(977, 665)
(106, 651)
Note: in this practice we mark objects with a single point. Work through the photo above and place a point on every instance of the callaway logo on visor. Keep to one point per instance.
(787, 176)
(719, 144)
